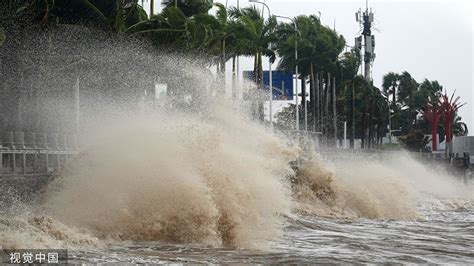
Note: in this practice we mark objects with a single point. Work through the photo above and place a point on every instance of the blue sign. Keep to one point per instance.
(282, 83)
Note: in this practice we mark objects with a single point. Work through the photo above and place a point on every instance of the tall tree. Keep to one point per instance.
(406, 89)
(254, 35)
(390, 86)
(318, 50)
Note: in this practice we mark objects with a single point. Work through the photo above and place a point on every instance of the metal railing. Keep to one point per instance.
(33, 153)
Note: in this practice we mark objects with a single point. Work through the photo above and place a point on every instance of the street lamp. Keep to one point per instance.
(296, 71)
(389, 120)
(270, 77)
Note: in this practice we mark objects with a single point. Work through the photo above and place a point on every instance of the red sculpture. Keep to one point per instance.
(449, 107)
(432, 113)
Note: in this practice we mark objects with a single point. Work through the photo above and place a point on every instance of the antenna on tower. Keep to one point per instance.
(365, 20)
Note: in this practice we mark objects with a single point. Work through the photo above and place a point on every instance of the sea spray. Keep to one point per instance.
(31, 231)
(218, 180)
(178, 178)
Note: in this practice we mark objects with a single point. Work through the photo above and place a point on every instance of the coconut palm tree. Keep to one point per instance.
(220, 45)
(172, 30)
(459, 128)
(407, 87)
(427, 91)
(254, 35)
(318, 50)
(390, 86)
(348, 66)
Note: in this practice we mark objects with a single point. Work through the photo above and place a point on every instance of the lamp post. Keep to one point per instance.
(296, 70)
(270, 77)
(389, 121)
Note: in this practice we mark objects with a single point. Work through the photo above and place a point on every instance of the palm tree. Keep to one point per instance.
(190, 7)
(172, 30)
(253, 38)
(427, 91)
(390, 86)
(406, 89)
(348, 65)
(318, 51)
(459, 128)
(220, 43)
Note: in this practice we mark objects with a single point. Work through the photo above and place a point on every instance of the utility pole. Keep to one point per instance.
(365, 20)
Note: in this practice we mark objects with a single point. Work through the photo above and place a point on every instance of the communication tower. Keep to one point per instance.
(365, 20)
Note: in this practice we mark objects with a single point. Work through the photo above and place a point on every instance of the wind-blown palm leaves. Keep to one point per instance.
(112, 15)
(348, 65)
(408, 98)
(459, 128)
(190, 7)
(171, 29)
(220, 44)
(318, 50)
(390, 86)
(254, 35)
(372, 112)
(318, 45)
(200, 34)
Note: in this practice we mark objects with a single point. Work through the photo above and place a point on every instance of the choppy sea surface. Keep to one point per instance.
(443, 233)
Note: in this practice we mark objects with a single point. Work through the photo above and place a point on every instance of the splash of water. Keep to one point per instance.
(218, 180)
(203, 173)
(178, 178)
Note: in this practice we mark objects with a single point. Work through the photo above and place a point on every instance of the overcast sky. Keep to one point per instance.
(429, 39)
